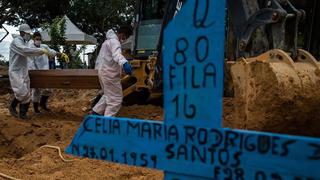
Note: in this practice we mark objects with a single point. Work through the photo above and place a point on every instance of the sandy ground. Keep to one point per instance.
(20, 141)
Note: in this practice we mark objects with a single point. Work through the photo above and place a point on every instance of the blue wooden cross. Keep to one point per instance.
(191, 144)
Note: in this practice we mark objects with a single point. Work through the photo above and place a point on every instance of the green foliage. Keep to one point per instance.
(4, 63)
(90, 16)
(100, 15)
(57, 32)
(34, 12)
(74, 56)
(8, 9)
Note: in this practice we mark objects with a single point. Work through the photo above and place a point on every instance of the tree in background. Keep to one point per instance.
(100, 15)
(96, 17)
(8, 9)
(91, 16)
(3, 61)
(34, 12)
(57, 32)
(74, 56)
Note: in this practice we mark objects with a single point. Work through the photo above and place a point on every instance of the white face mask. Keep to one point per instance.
(26, 37)
(37, 43)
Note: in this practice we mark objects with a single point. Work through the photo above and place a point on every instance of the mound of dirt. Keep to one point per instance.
(277, 97)
(20, 141)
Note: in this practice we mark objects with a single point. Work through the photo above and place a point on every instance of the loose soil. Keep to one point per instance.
(20, 141)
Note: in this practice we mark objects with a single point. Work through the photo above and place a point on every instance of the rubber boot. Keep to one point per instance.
(36, 108)
(13, 107)
(23, 111)
(43, 103)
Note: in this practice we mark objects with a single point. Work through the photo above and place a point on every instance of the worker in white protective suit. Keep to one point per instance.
(110, 61)
(96, 99)
(40, 63)
(18, 71)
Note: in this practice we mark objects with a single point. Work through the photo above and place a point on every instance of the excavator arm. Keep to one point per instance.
(259, 26)
(274, 82)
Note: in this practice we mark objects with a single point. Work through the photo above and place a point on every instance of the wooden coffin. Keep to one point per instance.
(65, 79)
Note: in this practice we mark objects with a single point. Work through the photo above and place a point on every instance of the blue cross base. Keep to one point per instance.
(197, 152)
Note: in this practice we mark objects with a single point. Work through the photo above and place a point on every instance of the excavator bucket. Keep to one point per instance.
(273, 90)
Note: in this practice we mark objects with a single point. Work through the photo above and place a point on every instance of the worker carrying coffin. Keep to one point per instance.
(109, 63)
(40, 96)
(18, 70)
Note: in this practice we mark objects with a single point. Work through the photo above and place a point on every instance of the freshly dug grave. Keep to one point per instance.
(20, 141)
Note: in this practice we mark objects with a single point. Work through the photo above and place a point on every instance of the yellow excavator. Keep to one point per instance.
(267, 71)
(275, 82)
(270, 76)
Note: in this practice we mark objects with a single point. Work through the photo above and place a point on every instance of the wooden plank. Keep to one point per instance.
(64, 72)
(65, 79)
(72, 79)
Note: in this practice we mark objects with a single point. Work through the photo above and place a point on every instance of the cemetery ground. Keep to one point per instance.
(21, 155)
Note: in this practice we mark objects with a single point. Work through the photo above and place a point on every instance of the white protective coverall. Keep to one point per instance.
(18, 68)
(96, 67)
(40, 63)
(109, 65)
